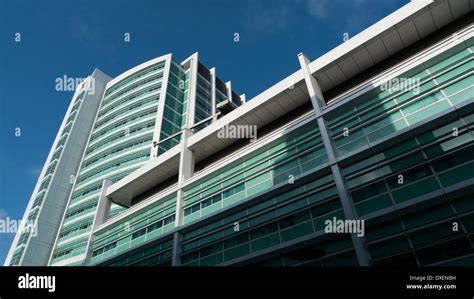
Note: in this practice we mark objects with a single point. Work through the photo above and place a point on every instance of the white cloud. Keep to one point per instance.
(318, 8)
(268, 19)
(92, 35)
(347, 14)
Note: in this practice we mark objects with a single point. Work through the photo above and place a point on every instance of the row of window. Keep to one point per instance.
(158, 255)
(411, 168)
(126, 226)
(69, 250)
(108, 93)
(133, 239)
(313, 198)
(122, 134)
(114, 151)
(125, 100)
(94, 188)
(259, 178)
(80, 210)
(121, 162)
(74, 231)
(267, 235)
(396, 240)
(390, 113)
(145, 102)
(123, 122)
(280, 150)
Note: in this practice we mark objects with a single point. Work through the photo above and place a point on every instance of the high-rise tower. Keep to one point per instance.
(49, 199)
(141, 116)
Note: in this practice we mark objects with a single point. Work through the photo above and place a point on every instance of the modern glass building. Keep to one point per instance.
(128, 121)
(378, 131)
(141, 116)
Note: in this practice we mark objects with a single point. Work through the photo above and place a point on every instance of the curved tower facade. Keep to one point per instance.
(32, 246)
(141, 116)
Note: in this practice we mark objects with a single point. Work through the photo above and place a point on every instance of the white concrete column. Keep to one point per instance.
(317, 99)
(192, 90)
(228, 86)
(186, 170)
(213, 94)
(315, 93)
(103, 206)
(242, 97)
(101, 216)
(161, 106)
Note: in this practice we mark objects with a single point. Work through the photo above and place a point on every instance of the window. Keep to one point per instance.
(410, 176)
(294, 219)
(233, 190)
(168, 220)
(369, 191)
(138, 234)
(154, 226)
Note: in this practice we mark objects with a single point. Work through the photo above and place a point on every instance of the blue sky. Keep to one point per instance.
(74, 37)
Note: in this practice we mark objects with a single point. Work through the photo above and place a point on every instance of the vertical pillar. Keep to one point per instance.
(176, 254)
(101, 216)
(347, 203)
(161, 106)
(103, 205)
(228, 86)
(192, 89)
(186, 170)
(243, 98)
(213, 94)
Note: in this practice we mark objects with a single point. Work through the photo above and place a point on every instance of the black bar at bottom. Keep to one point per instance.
(241, 282)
